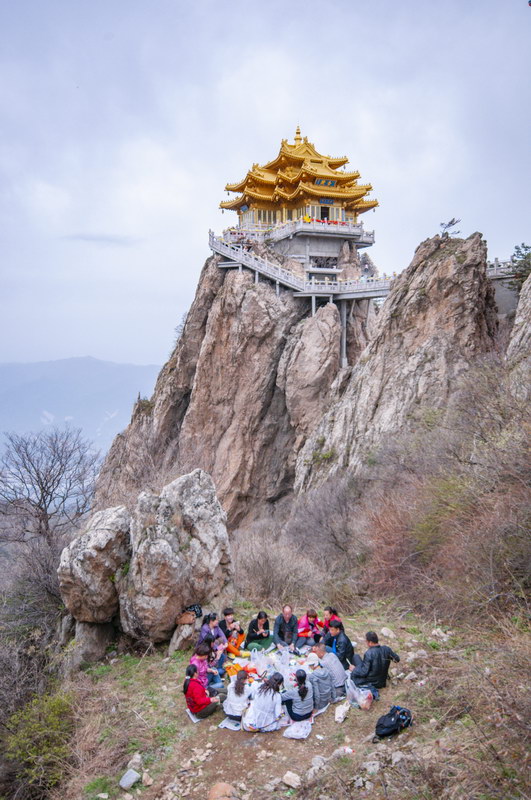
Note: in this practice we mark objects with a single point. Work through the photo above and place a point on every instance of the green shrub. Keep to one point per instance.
(38, 741)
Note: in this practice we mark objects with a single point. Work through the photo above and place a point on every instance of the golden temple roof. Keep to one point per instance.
(299, 173)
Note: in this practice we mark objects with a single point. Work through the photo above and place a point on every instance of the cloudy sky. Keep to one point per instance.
(122, 120)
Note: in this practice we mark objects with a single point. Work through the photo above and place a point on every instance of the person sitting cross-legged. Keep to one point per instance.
(238, 694)
(324, 691)
(372, 671)
(233, 631)
(265, 708)
(197, 699)
(339, 643)
(309, 629)
(299, 699)
(258, 635)
(334, 666)
(285, 629)
(207, 676)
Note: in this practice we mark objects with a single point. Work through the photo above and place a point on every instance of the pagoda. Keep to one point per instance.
(300, 183)
(299, 229)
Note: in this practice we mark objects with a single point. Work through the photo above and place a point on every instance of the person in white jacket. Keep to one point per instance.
(265, 709)
(237, 696)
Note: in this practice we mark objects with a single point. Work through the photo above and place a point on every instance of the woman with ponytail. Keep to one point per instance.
(299, 699)
(197, 699)
(237, 696)
(265, 709)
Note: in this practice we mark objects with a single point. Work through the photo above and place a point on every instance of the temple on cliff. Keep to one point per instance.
(300, 183)
(298, 227)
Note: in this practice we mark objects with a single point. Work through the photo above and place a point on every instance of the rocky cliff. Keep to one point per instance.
(519, 349)
(439, 315)
(254, 393)
(245, 385)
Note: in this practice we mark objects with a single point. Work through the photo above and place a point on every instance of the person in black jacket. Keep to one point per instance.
(372, 671)
(285, 629)
(258, 636)
(339, 643)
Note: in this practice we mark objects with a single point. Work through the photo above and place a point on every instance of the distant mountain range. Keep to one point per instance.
(86, 393)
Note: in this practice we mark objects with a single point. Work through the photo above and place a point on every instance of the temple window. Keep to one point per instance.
(269, 217)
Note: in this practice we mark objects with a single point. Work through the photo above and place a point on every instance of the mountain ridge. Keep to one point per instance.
(85, 391)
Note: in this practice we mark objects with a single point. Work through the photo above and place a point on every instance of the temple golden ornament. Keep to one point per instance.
(300, 183)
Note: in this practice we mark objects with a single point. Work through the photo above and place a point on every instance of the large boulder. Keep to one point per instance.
(89, 566)
(145, 567)
(180, 555)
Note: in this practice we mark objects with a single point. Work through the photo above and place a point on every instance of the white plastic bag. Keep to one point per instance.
(363, 697)
(298, 730)
(341, 712)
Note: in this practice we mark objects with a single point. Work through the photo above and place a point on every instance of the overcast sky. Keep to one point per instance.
(122, 120)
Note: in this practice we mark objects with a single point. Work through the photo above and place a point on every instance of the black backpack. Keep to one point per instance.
(395, 721)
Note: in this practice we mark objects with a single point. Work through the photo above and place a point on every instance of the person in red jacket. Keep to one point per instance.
(196, 696)
(330, 615)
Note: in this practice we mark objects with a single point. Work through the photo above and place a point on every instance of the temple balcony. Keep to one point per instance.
(314, 228)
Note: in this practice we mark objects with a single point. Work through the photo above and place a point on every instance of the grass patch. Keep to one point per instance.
(98, 671)
(100, 786)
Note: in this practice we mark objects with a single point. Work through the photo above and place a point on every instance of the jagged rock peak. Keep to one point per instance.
(246, 383)
(439, 314)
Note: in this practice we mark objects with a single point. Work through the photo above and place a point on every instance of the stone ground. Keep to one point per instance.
(135, 704)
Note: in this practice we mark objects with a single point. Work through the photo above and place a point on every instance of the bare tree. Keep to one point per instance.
(46, 484)
(46, 488)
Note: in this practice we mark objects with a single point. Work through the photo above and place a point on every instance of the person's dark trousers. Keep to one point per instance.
(218, 691)
(358, 661)
(207, 710)
(293, 716)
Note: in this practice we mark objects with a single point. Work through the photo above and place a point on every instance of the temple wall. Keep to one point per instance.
(314, 246)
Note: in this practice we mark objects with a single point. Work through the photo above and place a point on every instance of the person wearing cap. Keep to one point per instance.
(324, 691)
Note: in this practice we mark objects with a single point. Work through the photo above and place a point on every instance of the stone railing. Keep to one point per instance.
(239, 255)
(263, 232)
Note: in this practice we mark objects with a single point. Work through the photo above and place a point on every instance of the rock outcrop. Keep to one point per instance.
(89, 565)
(255, 394)
(180, 555)
(146, 567)
(439, 315)
(245, 385)
(519, 349)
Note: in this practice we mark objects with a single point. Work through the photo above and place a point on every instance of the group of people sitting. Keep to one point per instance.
(330, 661)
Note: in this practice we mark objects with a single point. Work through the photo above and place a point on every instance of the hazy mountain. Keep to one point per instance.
(94, 395)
